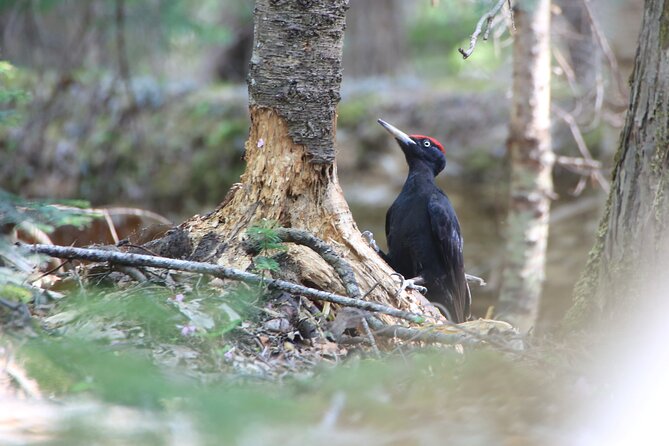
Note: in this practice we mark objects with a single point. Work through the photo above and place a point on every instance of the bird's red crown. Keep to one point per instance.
(432, 140)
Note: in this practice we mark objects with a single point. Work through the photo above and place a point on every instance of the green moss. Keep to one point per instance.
(664, 27)
(658, 162)
(585, 301)
(15, 293)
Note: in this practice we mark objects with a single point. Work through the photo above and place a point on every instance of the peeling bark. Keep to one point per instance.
(529, 147)
(631, 251)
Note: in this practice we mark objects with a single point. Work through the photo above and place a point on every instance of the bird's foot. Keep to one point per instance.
(411, 284)
(369, 238)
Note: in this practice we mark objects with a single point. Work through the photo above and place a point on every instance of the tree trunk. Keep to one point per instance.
(631, 250)
(291, 176)
(529, 146)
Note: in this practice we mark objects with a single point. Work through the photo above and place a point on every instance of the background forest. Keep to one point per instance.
(141, 108)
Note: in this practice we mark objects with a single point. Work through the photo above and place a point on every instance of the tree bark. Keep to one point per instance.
(291, 176)
(529, 146)
(631, 249)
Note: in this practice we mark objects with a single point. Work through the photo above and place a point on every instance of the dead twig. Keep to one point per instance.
(606, 49)
(110, 225)
(50, 271)
(513, 22)
(370, 336)
(595, 174)
(578, 165)
(483, 25)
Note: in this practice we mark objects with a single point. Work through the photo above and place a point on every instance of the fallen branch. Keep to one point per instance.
(483, 25)
(130, 259)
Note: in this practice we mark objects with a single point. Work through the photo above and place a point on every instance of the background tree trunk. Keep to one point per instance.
(291, 175)
(631, 247)
(375, 38)
(529, 147)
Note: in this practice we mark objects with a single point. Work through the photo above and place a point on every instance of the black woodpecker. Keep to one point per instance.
(422, 229)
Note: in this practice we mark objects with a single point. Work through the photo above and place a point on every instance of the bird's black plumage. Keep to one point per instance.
(422, 228)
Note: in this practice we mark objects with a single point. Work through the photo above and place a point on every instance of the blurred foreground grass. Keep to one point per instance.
(116, 390)
(419, 397)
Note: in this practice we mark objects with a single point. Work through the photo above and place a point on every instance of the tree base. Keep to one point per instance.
(281, 184)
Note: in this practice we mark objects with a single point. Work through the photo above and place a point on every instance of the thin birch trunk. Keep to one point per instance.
(529, 147)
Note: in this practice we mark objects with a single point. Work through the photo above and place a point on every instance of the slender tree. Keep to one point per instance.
(631, 251)
(291, 175)
(529, 147)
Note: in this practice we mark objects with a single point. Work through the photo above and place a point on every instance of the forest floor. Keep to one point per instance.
(99, 357)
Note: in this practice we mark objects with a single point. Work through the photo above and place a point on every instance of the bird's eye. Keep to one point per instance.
(426, 143)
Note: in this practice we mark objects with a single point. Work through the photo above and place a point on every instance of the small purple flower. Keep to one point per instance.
(187, 330)
(179, 297)
(261, 143)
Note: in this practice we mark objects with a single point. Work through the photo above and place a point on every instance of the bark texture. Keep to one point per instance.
(296, 68)
(290, 175)
(529, 147)
(631, 250)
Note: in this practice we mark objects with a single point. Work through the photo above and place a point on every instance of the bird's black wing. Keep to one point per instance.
(446, 232)
(388, 257)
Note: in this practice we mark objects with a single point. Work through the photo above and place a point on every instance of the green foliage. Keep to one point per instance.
(445, 28)
(353, 111)
(437, 32)
(144, 312)
(10, 97)
(14, 292)
(262, 263)
(266, 239)
(265, 236)
(46, 215)
(74, 365)
(379, 398)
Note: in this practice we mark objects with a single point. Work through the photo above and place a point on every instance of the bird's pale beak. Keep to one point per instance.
(397, 133)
